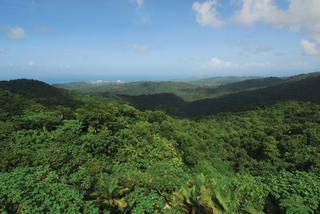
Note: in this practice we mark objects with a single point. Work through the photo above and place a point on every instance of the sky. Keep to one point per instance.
(71, 40)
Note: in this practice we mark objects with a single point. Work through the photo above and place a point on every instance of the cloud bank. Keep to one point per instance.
(300, 16)
(206, 13)
(140, 3)
(220, 63)
(310, 48)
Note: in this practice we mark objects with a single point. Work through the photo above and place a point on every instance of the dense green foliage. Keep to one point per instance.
(222, 80)
(181, 89)
(39, 91)
(300, 88)
(131, 88)
(189, 91)
(224, 89)
(103, 157)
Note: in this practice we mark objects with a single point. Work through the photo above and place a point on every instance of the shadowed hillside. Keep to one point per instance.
(166, 102)
(211, 92)
(300, 89)
(189, 91)
(12, 104)
(131, 88)
(105, 156)
(39, 91)
(214, 81)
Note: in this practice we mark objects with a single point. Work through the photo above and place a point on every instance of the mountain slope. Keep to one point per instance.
(303, 89)
(187, 91)
(132, 88)
(214, 81)
(39, 91)
(104, 157)
(12, 104)
(166, 102)
(212, 92)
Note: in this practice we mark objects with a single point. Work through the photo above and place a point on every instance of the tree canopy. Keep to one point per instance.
(107, 157)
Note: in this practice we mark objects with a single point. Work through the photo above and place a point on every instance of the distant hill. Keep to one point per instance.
(189, 91)
(211, 92)
(12, 104)
(39, 91)
(166, 102)
(132, 88)
(299, 88)
(78, 86)
(215, 81)
(181, 89)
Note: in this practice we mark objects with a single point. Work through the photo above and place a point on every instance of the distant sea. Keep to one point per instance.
(84, 78)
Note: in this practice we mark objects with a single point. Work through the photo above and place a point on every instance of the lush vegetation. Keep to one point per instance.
(189, 90)
(222, 80)
(39, 91)
(300, 88)
(98, 156)
(182, 89)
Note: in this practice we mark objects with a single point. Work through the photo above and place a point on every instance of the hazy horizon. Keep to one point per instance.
(126, 79)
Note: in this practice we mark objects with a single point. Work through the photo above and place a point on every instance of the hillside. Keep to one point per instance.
(103, 157)
(39, 91)
(230, 88)
(189, 91)
(216, 81)
(166, 102)
(159, 107)
(12, 104)
(299, 89)
(131, 88)
(181, 89)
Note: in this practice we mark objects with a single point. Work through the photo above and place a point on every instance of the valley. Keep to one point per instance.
(254, 150)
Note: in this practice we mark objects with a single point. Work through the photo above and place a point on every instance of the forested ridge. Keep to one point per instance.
(89, 154)
(187, 90)
(39, 91)
(299, 88)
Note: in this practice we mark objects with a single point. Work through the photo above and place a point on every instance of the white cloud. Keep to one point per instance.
(15, 32)
(206, 13)
(255, 10)
(139, 48)
(142, 15)
(310, 48)
(301, 15)
(140, 3)
(219, 63)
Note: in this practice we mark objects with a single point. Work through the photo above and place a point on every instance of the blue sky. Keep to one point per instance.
(66, 40)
